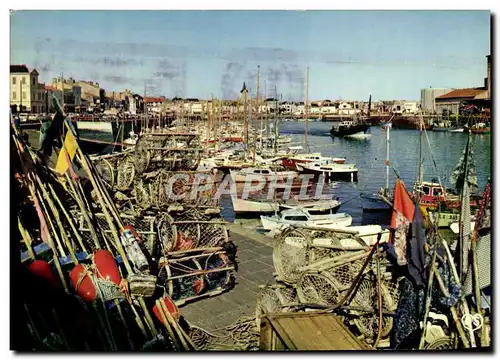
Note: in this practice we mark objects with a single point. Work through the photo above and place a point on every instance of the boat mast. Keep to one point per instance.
(245, 114)
(276, 132)
(306, 112)
(258, 113)
(419, 179)
(267, 114)
(387, 158)
(208, 127)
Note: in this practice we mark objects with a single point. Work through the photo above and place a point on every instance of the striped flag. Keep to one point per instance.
(465, 228)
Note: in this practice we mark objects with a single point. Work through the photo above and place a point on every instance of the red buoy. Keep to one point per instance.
(171, 308)
(106, 266)
(85, 287)
(42, 269)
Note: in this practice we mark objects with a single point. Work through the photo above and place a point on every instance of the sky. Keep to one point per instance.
(350, 54)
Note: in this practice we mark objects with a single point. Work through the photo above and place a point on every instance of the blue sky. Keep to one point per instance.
(350, 54)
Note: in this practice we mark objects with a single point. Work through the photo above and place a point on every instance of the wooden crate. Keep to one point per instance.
(307, 331)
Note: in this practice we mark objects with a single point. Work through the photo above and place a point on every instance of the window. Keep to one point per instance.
(13, 80)
(34, 81)
(437, 191)
(426, 190)
(24, 95)
(24, 80)
(13, 95)
(34, 108)
(296, 218)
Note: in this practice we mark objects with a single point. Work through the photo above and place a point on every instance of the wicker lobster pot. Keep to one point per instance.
(191, 230)
(116, 170)
(196, 276)
(144, 225)
(173, 152)
(162, 188)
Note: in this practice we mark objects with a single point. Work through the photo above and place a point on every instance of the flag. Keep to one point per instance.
(51, 130)
(67, 153)
(465, 231)
(416, 254)
(402, 215)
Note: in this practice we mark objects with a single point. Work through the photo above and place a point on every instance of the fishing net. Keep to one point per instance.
(366, 297)
(194, 276)
(125, 173)
(105, 169)
(274, 299)
(145, 227)
(172, 152)
(314, 288)
(290, 253)
(191, 229)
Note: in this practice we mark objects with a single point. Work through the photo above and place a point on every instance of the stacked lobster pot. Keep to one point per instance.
(172, 207)
(337, 270)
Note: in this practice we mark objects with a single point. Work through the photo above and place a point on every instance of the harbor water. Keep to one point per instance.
(440, 154)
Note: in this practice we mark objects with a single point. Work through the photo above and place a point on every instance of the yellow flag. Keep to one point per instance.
(66, 154)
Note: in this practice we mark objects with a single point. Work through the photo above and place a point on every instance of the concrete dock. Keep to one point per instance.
(255, 267)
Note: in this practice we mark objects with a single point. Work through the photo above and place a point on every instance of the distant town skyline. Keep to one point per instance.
(350, 54)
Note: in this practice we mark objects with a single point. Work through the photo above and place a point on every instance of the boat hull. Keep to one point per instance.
(351, 130)
(100, 126)
(241, 206)
(372, 203)
(272, 223)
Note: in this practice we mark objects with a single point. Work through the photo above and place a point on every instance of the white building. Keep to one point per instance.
(428, 97)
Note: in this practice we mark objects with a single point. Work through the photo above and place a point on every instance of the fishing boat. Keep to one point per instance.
(349, 127)
(301, 216)
(255, 174)
(331, 171)
(292, 161)
(254, 206)
(314, 207)
(442, 205)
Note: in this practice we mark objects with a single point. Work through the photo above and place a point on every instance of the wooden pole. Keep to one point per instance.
(454, 313)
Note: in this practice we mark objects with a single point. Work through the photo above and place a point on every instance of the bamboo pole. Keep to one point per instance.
(428, 300)
(26, 237)
(454, 314)
(68, 219)
(186, 340)
(167, 325)
(124, 322)
(60, 226)
(79, 201)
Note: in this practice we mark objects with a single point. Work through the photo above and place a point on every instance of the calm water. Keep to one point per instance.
(369, 156)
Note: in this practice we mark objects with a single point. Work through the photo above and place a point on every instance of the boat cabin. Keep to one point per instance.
(295, 215)
(431, 193)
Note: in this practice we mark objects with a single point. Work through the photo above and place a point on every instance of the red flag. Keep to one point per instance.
(402, 203)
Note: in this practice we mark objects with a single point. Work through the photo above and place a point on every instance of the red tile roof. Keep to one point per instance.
(49, 87)
(149, 99)
(462, 93)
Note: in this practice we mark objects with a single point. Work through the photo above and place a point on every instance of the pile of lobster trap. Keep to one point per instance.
(334, 270)
(183, 234)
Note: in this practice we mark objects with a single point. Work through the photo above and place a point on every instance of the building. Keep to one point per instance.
(453, 101)
(154, 104)
(72, 93)
(26, 93)
(428, 97)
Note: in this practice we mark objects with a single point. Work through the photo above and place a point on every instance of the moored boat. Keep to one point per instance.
(332, 172)
(301, 216)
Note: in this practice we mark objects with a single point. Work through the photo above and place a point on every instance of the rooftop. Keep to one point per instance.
(150, 99)
(462, 93)
(19, 69)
